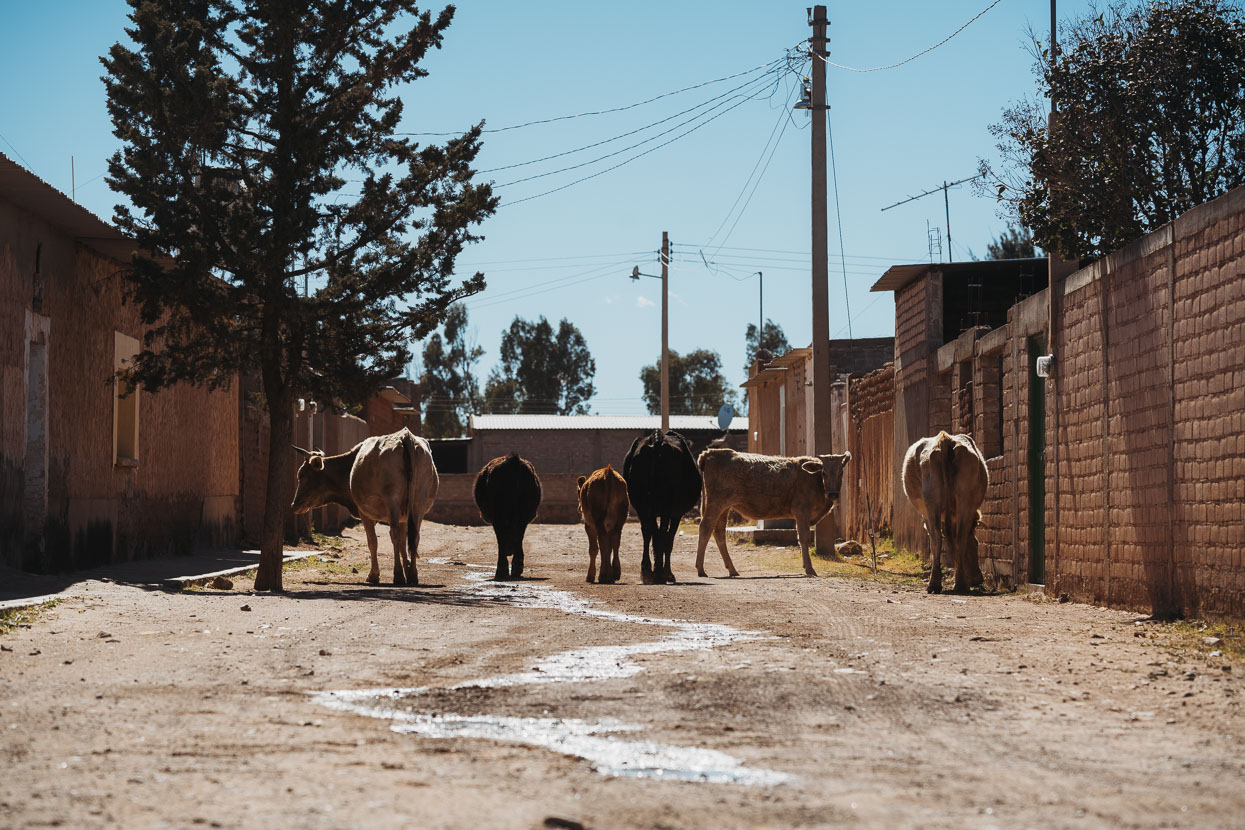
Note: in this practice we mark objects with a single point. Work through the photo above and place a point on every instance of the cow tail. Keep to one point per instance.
(408, 466)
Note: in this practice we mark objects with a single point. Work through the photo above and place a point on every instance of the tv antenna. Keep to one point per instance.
(946, 203)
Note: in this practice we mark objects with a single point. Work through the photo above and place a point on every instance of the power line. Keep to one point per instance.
(773, 130)
(838, 215)
(783, 120)
(553, 258)
(622, 135)
(612, 109)
(918, 54)
(722, 103)
(628, 161)
(517, 294)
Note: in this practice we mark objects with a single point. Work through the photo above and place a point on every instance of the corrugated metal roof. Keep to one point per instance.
(897, 276)
(32, 194)
(638, 423)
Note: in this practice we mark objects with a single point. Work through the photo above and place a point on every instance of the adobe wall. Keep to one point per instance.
(918, 334)
(455, 504)
(184, 489)
(869, 478)
(1154, 394)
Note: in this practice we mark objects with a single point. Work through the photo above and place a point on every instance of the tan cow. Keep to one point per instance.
(946, 478)
(385, 478)
(603, 506)
(765, 487)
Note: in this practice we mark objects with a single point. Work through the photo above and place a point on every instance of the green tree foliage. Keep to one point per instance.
(448, 385)
(1150, 124)
(541, 372)
(773, 339)
(1013, 243)
(259, 156)
(697, 385)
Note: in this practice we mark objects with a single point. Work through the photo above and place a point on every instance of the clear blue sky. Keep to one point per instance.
(897, 132)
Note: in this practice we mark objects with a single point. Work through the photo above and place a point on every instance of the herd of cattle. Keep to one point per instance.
(391, 479)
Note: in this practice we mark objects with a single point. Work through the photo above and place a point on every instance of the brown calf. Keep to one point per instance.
(603, 507)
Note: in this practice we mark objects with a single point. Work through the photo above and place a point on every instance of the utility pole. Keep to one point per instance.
(665, 331)
(822, 416)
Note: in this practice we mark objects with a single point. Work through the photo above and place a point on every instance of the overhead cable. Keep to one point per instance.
(918, 54)
(745, 96)
(629, 160)
(621, 135)
(613, 109)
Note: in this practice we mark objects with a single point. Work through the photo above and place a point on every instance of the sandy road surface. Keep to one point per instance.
(805, 702)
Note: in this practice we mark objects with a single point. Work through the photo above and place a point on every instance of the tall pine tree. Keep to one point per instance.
(242, 122)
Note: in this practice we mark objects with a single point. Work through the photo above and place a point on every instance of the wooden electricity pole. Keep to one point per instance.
(822, 416)
(665, 331)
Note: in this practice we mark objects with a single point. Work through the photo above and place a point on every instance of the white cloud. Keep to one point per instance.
(609, 299)
(644, 302)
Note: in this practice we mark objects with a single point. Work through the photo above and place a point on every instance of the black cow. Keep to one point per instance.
(507, 492)
(663, 482)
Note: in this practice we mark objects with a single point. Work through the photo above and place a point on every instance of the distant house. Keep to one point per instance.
(92, 472)
(561, 448)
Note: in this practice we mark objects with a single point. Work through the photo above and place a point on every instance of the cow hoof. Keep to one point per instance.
(732, 573)
(934, 588)
(373, 579)
(701, 572)
(810, 572)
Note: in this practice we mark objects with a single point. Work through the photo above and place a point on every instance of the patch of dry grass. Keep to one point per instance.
(16, 618)
(895, 567)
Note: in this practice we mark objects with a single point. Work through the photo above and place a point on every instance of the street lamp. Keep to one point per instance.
(665, 326)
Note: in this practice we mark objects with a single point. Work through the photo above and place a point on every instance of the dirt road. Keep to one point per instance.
(766, 701)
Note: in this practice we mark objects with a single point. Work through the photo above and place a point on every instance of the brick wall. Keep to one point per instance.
(455, 504)
(1152, 392)
(182, 492)
(869, 479)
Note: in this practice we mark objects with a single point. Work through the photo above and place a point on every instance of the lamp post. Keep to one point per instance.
(665, 326)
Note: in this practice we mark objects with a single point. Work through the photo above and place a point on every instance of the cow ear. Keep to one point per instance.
(847, 456)
(813, 467)
(316, 461)
(579, 482)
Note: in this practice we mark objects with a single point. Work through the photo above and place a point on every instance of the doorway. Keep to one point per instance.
(35, 460)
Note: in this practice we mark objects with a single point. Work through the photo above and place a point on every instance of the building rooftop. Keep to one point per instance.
(637, 423)
(897, 276)
(32, 194)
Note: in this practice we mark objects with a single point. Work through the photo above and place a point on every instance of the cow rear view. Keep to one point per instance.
(946, 478)
(507, 491)
(663, 483)
(603, 507)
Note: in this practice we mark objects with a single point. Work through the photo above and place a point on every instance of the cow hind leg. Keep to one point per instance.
(615, 542)
(592, 554)
(503, 567)
(802, 532)
(702, 540)
(397, 536)
(369, 528)
(669, 527)
(646, 567)
(516, 560)
(719, 536)
(935, 563)
(413, 523)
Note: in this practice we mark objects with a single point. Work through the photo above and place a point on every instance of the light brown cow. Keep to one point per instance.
(765, 487)
(946, 478)
(603, 506)
(385, 478)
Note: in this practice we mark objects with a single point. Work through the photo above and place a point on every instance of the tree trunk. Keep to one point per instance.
(277, 495)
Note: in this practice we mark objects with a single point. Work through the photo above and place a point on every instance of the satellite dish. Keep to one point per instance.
(725, 415)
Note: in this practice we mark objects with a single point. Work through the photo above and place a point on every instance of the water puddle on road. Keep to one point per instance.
(578, 738)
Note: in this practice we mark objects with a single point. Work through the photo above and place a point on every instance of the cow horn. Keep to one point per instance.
(300, 449)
